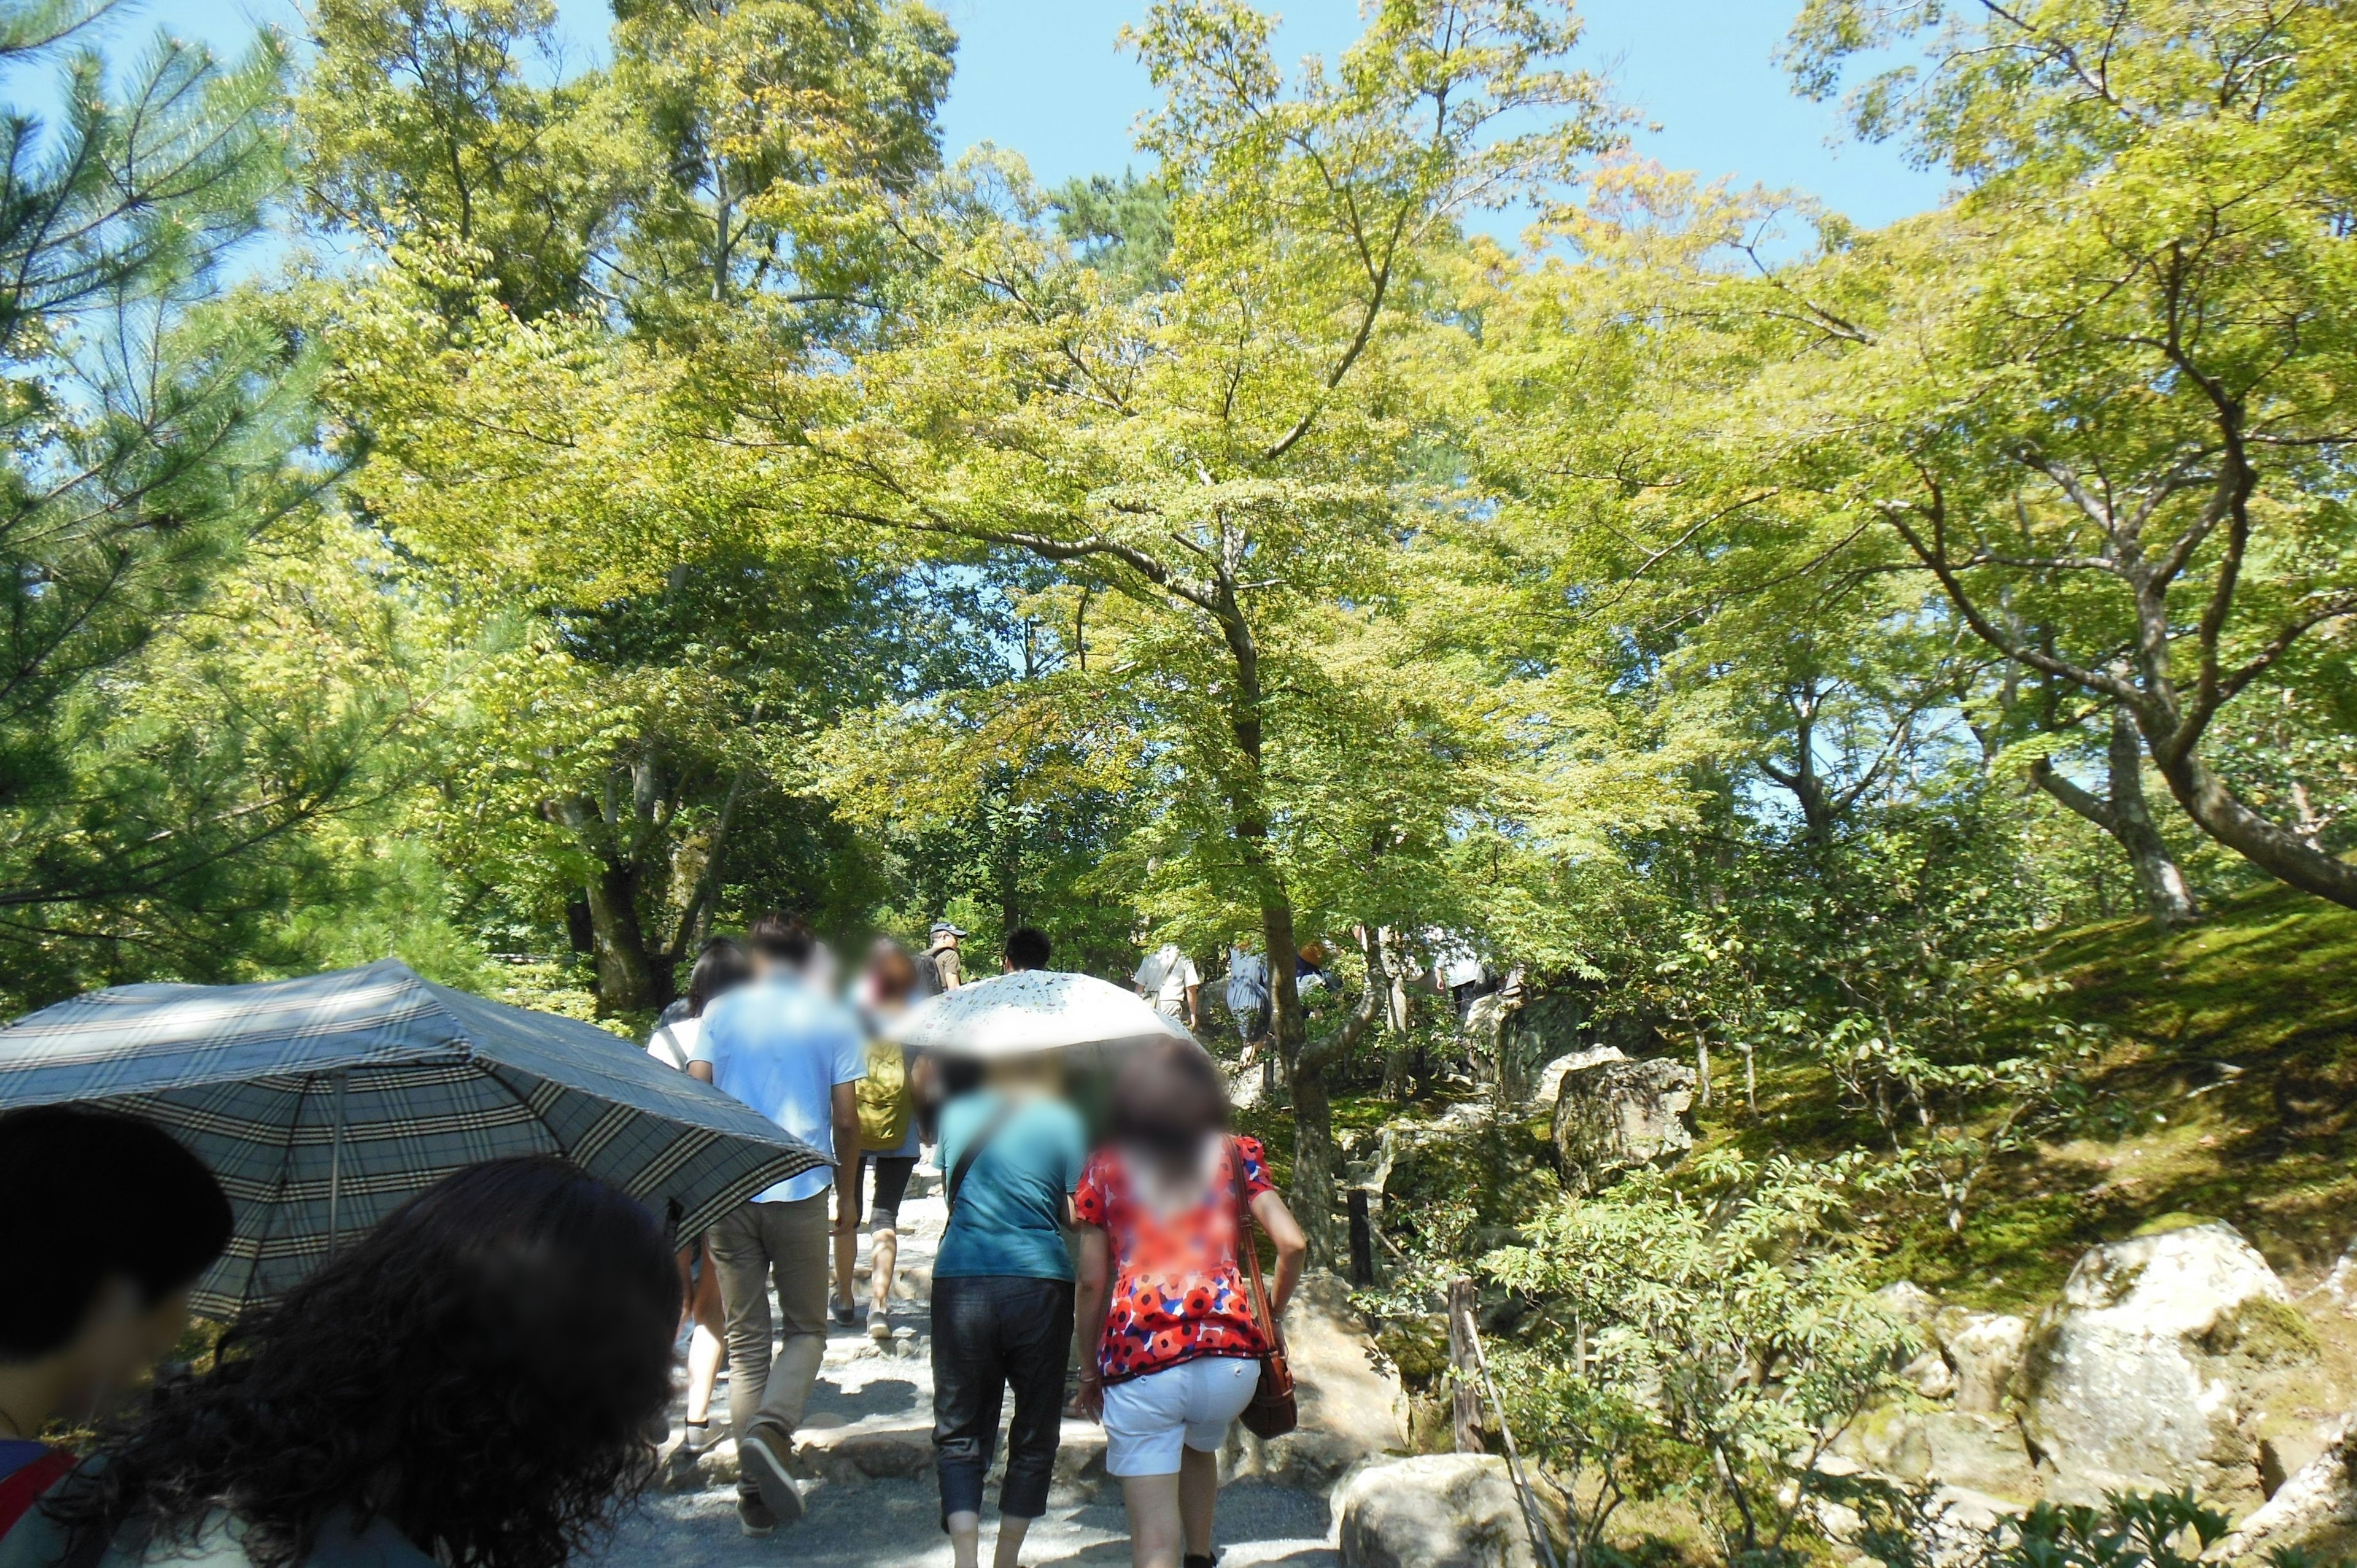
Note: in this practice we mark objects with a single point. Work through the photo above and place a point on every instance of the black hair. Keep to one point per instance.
(479, 1372)
(783, 937)
(960, 1075)
(1027, 948)
(92, 1197)
(1167, 1100)
(721, 966)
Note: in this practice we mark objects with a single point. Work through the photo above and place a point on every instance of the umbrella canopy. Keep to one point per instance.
(323, 1103)
(1032, 1010)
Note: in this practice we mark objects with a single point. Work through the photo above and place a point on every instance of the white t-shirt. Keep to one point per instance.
(1165, 976)
(674, 1044)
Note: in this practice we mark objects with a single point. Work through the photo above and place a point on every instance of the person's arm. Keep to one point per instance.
(843, 1108)
(1292, 1247)
(699, 1070)
(1095, 1269)
(1194, 1005)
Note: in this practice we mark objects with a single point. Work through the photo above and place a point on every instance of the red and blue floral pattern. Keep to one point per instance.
(1177, 1282)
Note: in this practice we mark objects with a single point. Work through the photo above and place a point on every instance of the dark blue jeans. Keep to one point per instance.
(993, 1332)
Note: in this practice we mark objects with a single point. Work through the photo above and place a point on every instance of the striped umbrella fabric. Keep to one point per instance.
(323, 1103)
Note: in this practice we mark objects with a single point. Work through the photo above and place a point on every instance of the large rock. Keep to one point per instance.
(1350, 1411)
(1985, 1348)
(1616, 1115)
(1437, 1510)
(2314, 1512)
(1981, 1454)
(2152, 1372)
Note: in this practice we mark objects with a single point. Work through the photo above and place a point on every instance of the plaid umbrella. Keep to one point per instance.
(323, 1103)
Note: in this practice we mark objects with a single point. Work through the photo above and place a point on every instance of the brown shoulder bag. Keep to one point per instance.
(1272, 1413)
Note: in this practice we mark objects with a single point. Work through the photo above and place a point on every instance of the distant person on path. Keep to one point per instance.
(471, 1383)
(1164, 1312)
(107, 1223)
(1027, 948)
(795, 1055)
(887, 1098)
(1002, 1292)
(938, 970)
(721, 967)
(1248, 998)
(1170, 980)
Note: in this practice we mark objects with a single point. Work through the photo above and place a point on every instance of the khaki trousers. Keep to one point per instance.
(757, 1243)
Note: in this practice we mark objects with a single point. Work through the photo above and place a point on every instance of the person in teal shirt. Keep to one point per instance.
(1002, 1304)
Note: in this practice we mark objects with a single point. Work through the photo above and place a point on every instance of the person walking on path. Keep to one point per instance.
(938, 970)
(108, 1223)
(1001, 1314)
(1168, 979)
(1174, 1348)
(1027, 948)
(470, 1383)
(795, 1055)
(888, 1099)
(720, 967)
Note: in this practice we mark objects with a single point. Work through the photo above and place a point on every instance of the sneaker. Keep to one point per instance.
(696, 1437)
(761, 1458)
(754, 1518)
(879, 1327)
(846, 1314)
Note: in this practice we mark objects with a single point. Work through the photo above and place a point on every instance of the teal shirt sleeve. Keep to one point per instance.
(1072, 1147)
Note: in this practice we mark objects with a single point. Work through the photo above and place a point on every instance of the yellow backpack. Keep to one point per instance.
(884, 1102)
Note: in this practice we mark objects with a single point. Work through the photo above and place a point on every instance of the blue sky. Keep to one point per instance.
(1043, 77)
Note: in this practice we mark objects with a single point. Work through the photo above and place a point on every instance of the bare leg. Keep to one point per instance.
(1153, 1528)
(1199, 1497)
(965, 1540)
(883, 1255)
(1010, 1541)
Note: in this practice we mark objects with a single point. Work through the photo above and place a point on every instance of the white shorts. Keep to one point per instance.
(1148, 1418)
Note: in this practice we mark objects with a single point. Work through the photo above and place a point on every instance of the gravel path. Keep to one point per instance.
(893, 1522)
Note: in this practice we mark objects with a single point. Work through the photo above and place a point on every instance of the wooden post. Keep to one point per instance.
(1465, 1387)
(1362, 1240)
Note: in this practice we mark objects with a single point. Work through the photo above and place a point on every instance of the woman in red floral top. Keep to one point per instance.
(1176, 1348)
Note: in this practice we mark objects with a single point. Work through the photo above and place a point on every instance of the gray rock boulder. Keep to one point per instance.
(1437, 1510)
(1616, 1115)
(1351, 1411)
(1983, 1455)
(2148, 1374)
(1550, 1084)
(1985, 1348)
(2314, 1512)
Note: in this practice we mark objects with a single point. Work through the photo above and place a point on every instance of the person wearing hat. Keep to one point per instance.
(938, 970)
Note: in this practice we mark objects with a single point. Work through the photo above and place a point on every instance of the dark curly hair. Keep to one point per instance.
(480, 1372)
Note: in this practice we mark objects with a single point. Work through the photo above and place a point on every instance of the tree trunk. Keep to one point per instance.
(2217, 810)
(1384, 967)
(2124, 814)
(1312, 1197)
(631, 978)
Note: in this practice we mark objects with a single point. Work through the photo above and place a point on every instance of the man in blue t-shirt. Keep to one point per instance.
(793, 1052)
(1003, 1291)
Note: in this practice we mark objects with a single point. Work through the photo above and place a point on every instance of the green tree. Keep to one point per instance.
(420, 121)
(2109, 394)
(1225, 458)
(152, 433)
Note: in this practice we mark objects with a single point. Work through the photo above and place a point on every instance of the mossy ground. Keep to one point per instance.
(2228, 1090)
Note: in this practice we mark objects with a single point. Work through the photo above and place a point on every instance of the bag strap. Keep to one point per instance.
(1250, 1247)
(981, 1135)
